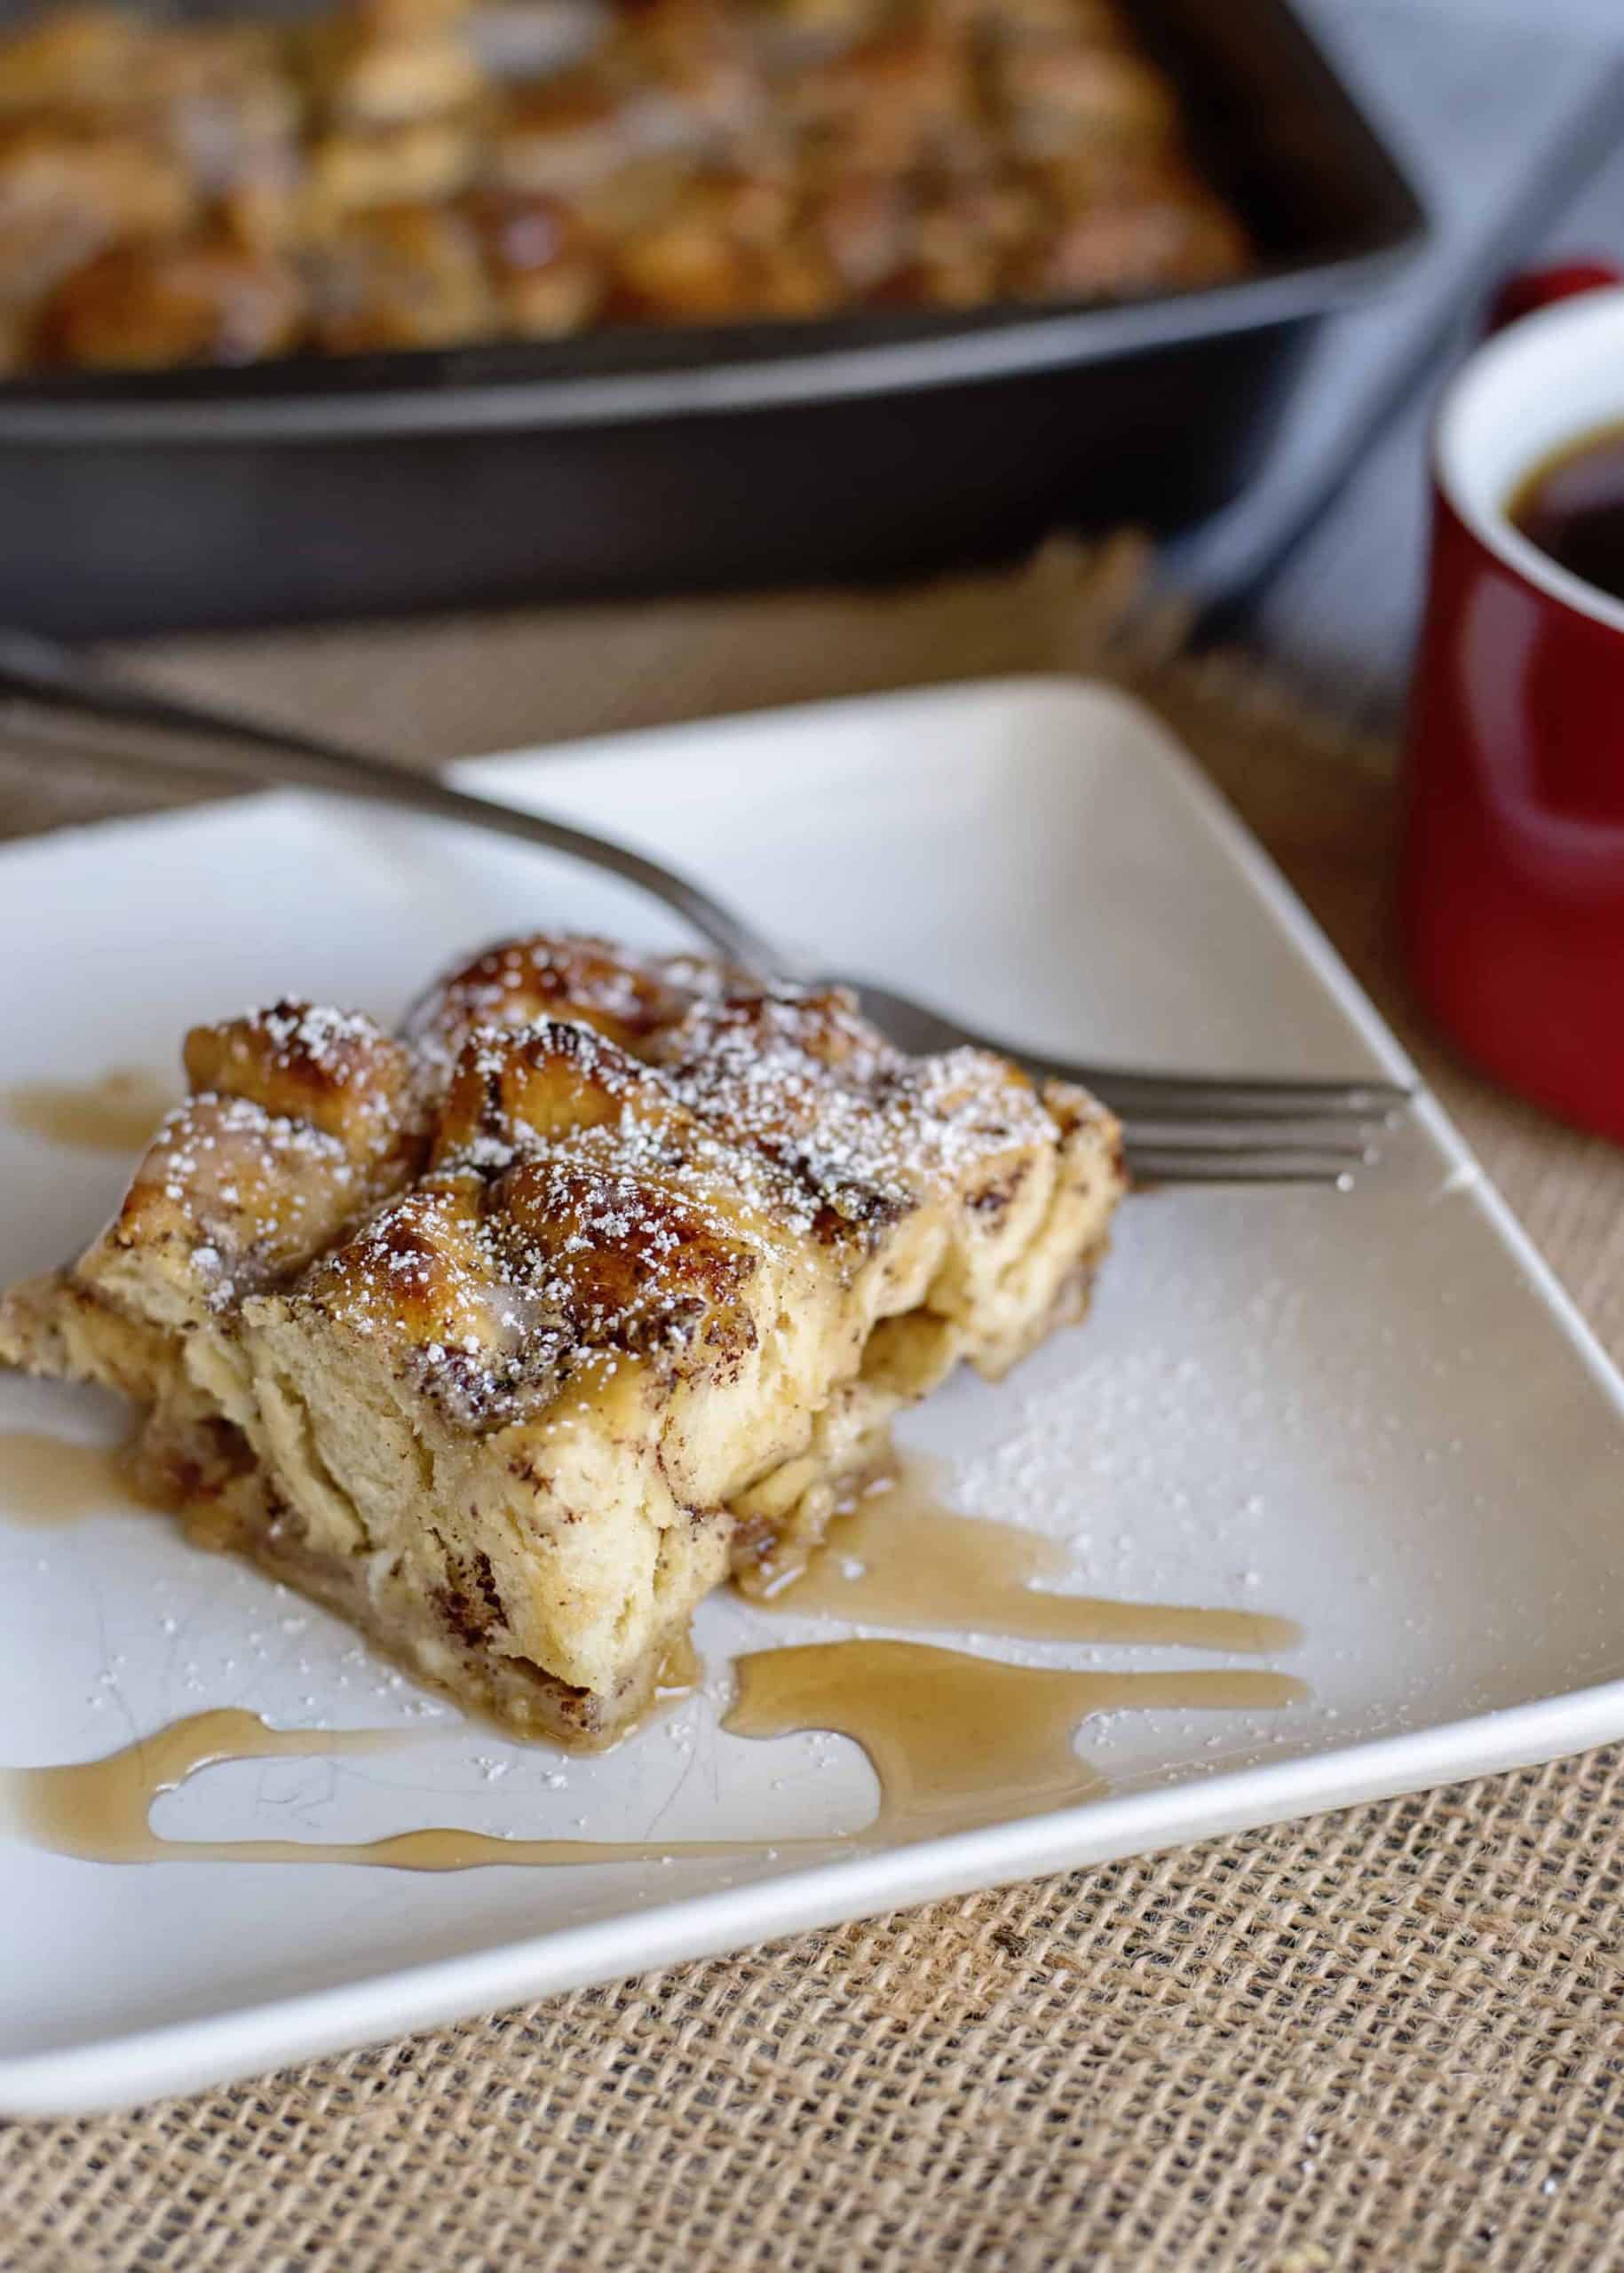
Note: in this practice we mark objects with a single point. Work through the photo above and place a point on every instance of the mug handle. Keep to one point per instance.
(1528, 289)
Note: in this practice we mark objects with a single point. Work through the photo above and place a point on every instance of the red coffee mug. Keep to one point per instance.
(1511, 865)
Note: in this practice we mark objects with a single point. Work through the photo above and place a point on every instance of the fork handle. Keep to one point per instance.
(199, 738)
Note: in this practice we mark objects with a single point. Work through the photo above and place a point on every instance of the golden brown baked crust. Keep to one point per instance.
(505, 1336)
(419, 173)
(201, 300)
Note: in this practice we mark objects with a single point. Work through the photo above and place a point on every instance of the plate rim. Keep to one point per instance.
(97, 2074)
(101, 2075)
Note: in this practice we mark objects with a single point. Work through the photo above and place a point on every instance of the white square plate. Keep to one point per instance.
(1373, 1413)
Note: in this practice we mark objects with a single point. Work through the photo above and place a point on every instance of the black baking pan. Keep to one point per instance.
(634, 461)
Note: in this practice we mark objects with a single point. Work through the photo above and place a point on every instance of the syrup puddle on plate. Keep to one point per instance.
(956, 1741)
(98, 1809)
(45, 1479)
(898, 1554)
(116, 1113)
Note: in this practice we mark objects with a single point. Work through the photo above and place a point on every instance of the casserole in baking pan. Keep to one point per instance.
(711, 396)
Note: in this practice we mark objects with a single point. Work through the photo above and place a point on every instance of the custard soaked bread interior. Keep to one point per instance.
(506, 1336)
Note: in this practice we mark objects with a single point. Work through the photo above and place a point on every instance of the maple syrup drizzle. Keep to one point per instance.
(958, 1740)
(98, 1809)
(115, 1112)
(46, 1479)
(954, 1740)
(898, 1554)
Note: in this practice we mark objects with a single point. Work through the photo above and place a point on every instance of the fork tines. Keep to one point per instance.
(1177, 1096)
(1149, 1165)
(1254, 1143)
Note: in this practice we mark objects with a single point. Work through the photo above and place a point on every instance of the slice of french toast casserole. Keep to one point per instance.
(506, 1335)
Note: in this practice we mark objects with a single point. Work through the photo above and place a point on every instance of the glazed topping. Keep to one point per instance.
(335, 1069)
(557, 1196)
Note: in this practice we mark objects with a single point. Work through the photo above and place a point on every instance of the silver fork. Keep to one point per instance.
(1180, 1129)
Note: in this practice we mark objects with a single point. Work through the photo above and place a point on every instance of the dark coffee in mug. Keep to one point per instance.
(1572, 506)
(1511, 873)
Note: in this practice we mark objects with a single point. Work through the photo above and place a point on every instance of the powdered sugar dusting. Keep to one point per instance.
(578, 1153)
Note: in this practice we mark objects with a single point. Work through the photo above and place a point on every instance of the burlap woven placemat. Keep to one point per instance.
(1389, 2037)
